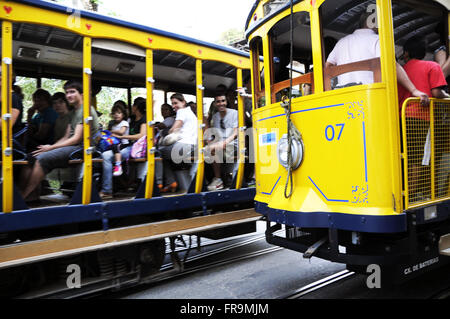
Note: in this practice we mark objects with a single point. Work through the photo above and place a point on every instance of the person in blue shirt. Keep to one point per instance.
(41, 121)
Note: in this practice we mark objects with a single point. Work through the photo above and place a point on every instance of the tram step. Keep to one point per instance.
(444, 245)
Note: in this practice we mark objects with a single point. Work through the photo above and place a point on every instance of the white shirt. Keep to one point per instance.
(188, 131)
(118, 126)
(362, 44)
(230, 121)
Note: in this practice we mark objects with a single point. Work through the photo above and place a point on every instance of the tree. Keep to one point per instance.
(231, 36)
(91, 5)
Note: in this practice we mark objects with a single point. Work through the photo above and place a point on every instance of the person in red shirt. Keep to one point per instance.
(427, 76)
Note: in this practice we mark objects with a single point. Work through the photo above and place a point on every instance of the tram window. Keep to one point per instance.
(350, 44)
(280, 56)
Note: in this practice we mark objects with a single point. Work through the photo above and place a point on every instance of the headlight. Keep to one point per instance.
(296, 152)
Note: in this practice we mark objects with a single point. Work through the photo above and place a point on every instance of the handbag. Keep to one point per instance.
(139, 148)
(107, 141)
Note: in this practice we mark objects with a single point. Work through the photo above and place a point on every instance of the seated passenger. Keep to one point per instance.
(57, 155)
(119, 126)
(41, 121)
(183, 136)
(137, 129)
(428, 77)
(224, 145)
(364, 44)
(162, 130)
(62, 108)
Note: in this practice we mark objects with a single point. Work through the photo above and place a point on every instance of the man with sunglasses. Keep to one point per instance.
(224, 144)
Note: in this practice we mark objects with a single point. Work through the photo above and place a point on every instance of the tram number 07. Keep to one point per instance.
(330, 132)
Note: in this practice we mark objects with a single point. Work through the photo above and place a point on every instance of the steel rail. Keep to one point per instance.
(324, 282)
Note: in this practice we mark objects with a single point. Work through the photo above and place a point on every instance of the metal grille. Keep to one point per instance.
(426, 151)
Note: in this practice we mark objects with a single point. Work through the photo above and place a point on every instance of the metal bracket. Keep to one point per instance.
(152, 150)
(7, 60)
(201, 87)
(88, 119)
(88, 71)
(7, 116)
(90, 150)
(8, 151)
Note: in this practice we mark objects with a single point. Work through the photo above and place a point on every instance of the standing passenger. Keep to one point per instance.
(428, 77)
(364, 44)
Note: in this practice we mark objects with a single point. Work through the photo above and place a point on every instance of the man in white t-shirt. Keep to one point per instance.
(364, 44)
(224, 144)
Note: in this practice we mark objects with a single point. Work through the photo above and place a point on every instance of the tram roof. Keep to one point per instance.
(131, 25)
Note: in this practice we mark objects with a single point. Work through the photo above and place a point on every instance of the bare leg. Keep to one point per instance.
(37, 175)
(216, 169)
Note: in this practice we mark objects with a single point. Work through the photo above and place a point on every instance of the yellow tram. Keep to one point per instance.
(332, 160)
(45, 40)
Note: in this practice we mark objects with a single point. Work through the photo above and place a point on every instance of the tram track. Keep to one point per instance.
(98, 287)
(319, 284)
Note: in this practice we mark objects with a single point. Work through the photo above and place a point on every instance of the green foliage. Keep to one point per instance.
(230, 36)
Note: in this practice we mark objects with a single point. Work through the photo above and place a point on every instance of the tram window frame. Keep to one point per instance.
(256, 47)
(332, 72)
(299, 79)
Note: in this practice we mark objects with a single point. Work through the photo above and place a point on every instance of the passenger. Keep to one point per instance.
(224, 145)
(62, 108)
(193, 107)
(364, 44)
(428, 77)
(16, 110)
(162, 130)
(41, 121)
(183, 136)
(440, 54)
(119, 126)
(137, 129)
(49, 157)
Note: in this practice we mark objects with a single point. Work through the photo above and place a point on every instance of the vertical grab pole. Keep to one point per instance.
(7, 154)
(150, 147)
(87, 142)
(241, 133)
(201, 159)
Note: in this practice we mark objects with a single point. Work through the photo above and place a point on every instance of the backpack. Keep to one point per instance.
(107, 141)
(139, 148)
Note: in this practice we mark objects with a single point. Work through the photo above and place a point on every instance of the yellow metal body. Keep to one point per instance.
(7, 157)
(350, 135)
(90, 29)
